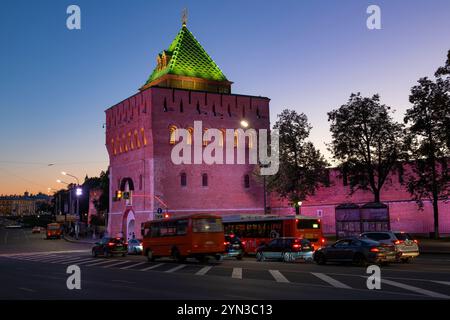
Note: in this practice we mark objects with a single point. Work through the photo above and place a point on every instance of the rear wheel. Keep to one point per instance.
(150, 256)
(177, 256)
(239, 257)
(360, 260)
(406, 260)
(287, 257)
(94, 253)
(260, 256)
(320, 258)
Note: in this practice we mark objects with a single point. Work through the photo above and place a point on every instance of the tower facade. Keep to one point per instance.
(185, 86)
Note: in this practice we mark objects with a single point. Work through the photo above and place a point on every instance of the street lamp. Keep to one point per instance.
(64, 173)
(244, 123)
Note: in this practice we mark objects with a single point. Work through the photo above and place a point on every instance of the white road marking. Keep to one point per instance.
(42, 252)
(415, 289)
(152, 267)
(66, 259)
(115, 264)
(335, 283)
(442, 282)
(203, 271)
(75, 261)
(133, 265)
(181, 266)
(237, 273)
(279, 277)
(99, 263)
(27, 289)
(40, 258)
(88, 261)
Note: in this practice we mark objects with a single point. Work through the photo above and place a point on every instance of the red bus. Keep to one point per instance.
(197, 235)
(255, 229)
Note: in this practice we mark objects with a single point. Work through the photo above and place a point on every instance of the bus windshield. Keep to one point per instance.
(207, 225)
(308, 224)
(52, 227)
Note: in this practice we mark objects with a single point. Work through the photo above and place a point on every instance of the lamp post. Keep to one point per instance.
(78, 193)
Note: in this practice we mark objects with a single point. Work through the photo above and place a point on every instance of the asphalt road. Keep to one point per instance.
(34, 268)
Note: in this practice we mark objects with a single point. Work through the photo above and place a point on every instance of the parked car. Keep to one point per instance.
(135, 246)
(359, 251)
(405, 245)
(36, 230)
(110, 246)
(233, 247)
(286, 249)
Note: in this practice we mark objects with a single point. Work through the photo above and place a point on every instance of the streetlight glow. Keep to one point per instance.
(244, 123)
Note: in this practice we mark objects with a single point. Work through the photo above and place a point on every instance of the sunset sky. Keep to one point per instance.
(305, 55)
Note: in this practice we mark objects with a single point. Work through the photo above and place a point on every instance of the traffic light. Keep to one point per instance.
(118, 196)
(126, 195)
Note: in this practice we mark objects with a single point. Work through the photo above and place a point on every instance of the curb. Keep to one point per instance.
(69, 239)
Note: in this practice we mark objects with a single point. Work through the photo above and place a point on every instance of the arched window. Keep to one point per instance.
(172, 139)
(246, 181)
(144, 139)
(125, 144)
(183, 179)
(204, 180)
(113, 147)
(190, 135)
(137, 143)
(130, 141)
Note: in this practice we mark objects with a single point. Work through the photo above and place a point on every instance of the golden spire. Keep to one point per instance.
(184, 17)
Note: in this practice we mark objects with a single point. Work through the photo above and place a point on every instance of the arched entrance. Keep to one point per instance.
(128, 224)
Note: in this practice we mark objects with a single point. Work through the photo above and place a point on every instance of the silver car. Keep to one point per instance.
(406, 247)
(135, 246)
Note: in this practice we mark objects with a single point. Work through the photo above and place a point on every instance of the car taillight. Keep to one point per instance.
(322, 240)
(398, 241)
(110, 243)
(374, 250)
(296, 246)
(243, 243)
(125, 243)
(415, 241)
(226, 243)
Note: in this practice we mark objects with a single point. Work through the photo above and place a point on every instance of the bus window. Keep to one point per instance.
(207, 225)
(182, 227)
(308, 224)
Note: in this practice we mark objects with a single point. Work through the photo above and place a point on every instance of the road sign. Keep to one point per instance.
(159, 211)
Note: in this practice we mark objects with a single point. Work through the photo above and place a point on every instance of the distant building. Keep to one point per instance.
(25, 205)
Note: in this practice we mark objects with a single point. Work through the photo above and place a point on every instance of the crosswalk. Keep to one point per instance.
(439, 289)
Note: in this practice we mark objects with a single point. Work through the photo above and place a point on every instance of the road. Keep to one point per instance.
(34, 268)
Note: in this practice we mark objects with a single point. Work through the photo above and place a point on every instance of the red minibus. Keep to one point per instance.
(197, 235)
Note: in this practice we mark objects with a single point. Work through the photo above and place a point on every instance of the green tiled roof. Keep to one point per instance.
(188, 58)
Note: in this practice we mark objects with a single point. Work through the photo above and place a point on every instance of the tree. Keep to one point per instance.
(428, 139)
(302, 168)
(366, 141)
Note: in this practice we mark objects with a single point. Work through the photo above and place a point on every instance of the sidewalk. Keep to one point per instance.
(80, 240)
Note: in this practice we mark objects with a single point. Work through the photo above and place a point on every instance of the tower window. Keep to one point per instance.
(172, 139)
(183, 179)
(140, 182)
(204, 180)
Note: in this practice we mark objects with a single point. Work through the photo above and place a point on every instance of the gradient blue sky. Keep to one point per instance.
(305, 55)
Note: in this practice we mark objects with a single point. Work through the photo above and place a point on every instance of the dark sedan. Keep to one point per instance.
(110, 246)
(233, 247)
(356, 250)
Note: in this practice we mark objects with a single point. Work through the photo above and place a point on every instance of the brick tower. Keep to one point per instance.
(185, 86)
